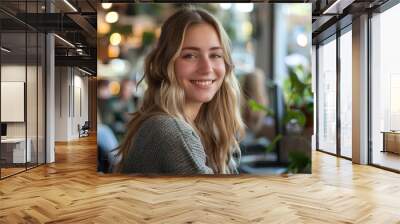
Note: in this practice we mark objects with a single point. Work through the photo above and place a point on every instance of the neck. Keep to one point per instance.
(191, 110)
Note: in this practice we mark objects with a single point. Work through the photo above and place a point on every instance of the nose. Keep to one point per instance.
(205, 65)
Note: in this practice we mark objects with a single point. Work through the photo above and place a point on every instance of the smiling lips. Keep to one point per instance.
(202, 83)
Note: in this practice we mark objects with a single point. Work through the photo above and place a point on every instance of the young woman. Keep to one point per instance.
(189, 122)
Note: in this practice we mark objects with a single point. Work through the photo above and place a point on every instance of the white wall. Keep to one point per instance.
(71, 94)
(61, 103)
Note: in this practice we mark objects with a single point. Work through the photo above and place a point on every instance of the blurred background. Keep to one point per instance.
(271, 49)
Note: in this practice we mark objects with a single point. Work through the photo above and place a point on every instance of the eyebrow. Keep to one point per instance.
(198, 49)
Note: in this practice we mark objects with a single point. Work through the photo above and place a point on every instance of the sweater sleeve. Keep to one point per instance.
(167, 145)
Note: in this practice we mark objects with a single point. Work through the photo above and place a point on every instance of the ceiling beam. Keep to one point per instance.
(337, 7)
(84, 24)
(82, 61)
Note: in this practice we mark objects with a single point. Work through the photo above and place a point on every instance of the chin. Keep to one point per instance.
(205, 99)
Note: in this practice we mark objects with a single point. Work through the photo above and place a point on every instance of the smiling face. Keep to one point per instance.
(200, 66)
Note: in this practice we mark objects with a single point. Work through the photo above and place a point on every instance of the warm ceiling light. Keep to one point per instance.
(115, 39)
(112, 17)
(106, 5)
(70, 5)
(65, 41)
(5, 49)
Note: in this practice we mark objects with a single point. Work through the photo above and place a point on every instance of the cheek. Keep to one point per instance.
(220, 70)
(182, 70)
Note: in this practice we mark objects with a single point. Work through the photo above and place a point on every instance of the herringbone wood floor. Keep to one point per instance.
(70, 191)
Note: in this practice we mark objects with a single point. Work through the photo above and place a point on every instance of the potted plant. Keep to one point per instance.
(297, 117)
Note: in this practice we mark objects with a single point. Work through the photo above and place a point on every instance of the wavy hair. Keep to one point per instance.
(218, 123)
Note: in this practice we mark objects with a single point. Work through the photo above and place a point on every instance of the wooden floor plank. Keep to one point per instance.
(70, 191)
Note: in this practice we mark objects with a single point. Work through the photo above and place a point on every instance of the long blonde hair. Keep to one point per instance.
(218, 123)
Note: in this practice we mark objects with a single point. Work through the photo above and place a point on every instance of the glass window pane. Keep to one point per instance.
(346, 94)
(22, 88)
(327, 97)
(386, 89)
(14, 150)
(31, 97)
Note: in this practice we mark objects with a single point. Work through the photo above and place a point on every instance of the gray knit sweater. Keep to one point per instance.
(166, 145)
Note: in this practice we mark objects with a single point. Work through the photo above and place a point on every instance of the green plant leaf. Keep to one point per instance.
(256, 107)
(272, 145)
(297, 87)
(148, 38)
(298, 162)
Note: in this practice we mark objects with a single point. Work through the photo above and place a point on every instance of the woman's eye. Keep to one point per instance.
(216, 56)
(189, 56)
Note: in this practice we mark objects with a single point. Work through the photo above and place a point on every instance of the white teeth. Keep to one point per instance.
(202, 82)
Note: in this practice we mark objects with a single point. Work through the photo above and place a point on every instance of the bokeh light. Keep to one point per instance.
(115, 88)
(106, 5)
(113, 51)
(115, 39)
(112, 17)
(302, 40)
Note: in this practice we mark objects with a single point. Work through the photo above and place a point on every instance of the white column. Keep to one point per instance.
(360, 90)
(50, 100)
